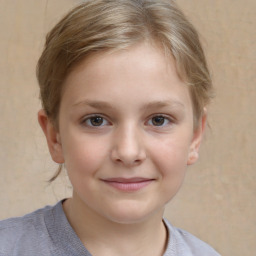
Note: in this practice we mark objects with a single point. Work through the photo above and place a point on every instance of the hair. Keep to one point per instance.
(107, 25)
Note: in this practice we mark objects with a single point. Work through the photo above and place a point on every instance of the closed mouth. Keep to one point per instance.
(128, 184)
(127, 180)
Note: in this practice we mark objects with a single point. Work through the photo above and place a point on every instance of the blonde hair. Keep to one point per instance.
(104, 25)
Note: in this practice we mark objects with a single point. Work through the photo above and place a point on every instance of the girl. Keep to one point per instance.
(124, 87)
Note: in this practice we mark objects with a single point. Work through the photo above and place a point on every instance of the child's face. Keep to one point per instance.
(126, 133)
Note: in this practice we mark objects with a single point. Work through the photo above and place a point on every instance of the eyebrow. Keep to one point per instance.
(154, 104)
(94, 104)
(164, 103)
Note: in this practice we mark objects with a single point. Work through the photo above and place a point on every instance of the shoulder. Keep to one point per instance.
(23, 232)
(187, 244)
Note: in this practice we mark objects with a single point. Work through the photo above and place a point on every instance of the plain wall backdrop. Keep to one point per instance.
(217, 201)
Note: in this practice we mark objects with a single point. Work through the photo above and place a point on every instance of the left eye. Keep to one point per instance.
(158, 121)
(95, 121)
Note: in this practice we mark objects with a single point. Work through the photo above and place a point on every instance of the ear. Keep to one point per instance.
(197, 139)
(52, 137)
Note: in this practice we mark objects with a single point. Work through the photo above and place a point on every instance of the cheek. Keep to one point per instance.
(171, 151)
(172, 165)
(170, 158)
(84, 155)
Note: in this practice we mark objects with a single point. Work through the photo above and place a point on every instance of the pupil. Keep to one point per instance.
(96, 121)
(158, 120)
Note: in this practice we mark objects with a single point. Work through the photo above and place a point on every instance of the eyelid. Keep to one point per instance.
(171, 120)
(87, 117)
(167, 117)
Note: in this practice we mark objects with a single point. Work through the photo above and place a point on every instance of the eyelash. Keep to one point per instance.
(89, 119)
(166, 121)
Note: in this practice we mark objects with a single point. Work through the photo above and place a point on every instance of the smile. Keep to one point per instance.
(128, 185)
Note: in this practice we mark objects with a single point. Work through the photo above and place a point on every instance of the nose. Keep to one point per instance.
(128, 147)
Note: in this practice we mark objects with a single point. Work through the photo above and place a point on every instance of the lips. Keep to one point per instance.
(128, 184)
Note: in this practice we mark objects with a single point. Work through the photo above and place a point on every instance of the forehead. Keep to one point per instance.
(144, 72)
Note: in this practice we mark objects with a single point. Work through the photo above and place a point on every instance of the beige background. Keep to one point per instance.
(217, 201)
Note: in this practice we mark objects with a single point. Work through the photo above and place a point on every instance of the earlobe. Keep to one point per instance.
(192, 157)
(52, 137)
(197, 139)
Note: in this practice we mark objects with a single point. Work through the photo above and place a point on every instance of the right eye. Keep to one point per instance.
(95, 121)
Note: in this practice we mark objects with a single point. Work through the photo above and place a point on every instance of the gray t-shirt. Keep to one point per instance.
(47, 232)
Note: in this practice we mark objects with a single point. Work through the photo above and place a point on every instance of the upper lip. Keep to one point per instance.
(127, 180)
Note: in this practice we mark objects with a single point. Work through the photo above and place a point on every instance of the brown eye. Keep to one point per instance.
(159, 121)
(95, 121)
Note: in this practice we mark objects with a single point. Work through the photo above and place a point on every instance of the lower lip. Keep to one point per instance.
(129, 186)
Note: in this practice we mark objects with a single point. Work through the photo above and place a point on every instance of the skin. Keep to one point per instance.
(143, 131)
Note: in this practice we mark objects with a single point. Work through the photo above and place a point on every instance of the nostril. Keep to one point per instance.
(128, 161)
(128, 148)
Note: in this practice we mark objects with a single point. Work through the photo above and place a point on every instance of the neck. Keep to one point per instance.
(106, 237)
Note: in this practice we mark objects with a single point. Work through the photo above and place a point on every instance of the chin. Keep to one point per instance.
(132, 215)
